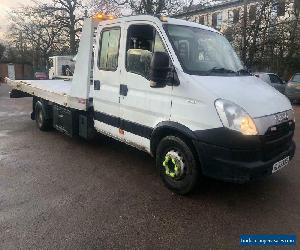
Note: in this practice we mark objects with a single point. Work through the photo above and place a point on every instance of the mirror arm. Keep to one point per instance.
(174, 80)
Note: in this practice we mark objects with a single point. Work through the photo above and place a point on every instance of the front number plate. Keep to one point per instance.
(280, 164)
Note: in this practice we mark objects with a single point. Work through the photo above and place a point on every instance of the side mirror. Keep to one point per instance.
(159, 69)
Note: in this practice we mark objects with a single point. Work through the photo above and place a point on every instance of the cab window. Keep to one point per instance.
(109, 49)
(142, 41)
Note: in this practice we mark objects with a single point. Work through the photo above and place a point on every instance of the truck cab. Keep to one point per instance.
(178, 91)
(238, 126)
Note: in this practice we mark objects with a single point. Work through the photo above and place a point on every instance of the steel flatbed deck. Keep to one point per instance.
(56, 91)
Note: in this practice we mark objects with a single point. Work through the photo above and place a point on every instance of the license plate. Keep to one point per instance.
(280, 164)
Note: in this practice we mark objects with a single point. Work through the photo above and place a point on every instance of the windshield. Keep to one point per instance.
(204, 52)
(296, 78)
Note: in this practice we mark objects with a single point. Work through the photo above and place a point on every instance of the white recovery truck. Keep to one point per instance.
(174, 89)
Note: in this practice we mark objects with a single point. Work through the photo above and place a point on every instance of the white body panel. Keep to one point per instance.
(193, 105)
(80, 89)
(254, 95)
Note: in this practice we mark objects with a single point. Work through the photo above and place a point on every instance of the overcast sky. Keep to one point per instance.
(6, 6)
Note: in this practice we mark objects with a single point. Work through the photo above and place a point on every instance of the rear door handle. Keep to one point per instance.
(123, 89)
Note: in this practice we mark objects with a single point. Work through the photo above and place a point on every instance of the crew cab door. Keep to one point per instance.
(107, 80)
(142, 107)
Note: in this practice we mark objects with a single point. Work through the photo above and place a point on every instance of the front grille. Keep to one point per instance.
(276, 141)
(281, 130)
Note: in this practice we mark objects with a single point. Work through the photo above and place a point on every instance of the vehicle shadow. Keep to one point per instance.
(142, 163)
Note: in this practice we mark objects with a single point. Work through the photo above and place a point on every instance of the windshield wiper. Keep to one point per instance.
(221, 70)
(243, 72)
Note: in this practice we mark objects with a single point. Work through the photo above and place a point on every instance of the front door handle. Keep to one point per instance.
(123, 89)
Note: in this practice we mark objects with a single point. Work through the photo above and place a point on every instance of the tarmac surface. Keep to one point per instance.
(58, 192)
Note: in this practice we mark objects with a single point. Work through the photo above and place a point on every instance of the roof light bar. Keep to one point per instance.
(102, 17)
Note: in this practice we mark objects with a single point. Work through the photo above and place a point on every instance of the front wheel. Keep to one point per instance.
(177, 165)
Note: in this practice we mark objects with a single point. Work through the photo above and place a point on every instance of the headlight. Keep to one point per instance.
(235, 118)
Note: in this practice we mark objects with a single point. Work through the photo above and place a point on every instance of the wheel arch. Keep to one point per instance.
(166, 128)
(44, 106)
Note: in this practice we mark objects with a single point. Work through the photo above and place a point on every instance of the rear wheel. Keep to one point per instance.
(40, 117)
(177, 165)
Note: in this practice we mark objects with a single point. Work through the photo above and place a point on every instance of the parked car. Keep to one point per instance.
(274, 80)
(292, 90)
(40, 76)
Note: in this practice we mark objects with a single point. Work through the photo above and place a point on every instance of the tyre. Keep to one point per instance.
(177, 165)
(40, 117)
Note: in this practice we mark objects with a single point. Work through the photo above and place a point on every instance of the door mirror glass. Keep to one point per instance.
(159, 69)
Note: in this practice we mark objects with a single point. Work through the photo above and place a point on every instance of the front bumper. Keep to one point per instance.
(238, 166)
(236, 158)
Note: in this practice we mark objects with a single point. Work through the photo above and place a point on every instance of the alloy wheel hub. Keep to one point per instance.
(174, 165)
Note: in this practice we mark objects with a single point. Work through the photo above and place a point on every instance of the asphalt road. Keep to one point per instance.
(62, 193)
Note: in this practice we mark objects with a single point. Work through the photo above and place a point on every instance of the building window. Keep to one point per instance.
(214, 20)
(206, 22)
(252, 12)
(236, 16)
(297, 5)
(217, 20)
(233, 16)
(201, 20)
(230, 17)
(281, 8)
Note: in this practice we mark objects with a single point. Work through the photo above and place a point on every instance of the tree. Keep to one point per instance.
(153, 7)
(35, 34)
(2, 50)
(68, 14)
(104, 6)
(271, 40)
